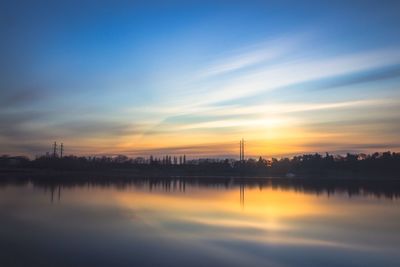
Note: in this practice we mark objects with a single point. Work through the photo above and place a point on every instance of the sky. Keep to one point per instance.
(147, 78)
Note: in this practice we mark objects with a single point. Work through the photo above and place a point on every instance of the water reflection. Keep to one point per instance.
(52, 189)
(351, 188)
(198, 222)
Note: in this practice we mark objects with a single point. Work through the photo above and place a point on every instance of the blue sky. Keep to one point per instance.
(193, 77)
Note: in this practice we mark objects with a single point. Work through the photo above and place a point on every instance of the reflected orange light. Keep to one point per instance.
(267, 210)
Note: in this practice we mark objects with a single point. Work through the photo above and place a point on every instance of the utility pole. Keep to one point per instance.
(54, 149)
(242, 149)
(61, 150)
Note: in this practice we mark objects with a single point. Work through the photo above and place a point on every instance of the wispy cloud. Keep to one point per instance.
(256, 54)
(218, 112)
(293, 107)
(291, 72)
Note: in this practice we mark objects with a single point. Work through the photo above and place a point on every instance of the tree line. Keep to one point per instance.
(386, 163)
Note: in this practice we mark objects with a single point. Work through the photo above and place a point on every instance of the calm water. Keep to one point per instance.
(174, 222)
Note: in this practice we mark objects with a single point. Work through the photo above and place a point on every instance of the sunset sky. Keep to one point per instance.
(147, 78)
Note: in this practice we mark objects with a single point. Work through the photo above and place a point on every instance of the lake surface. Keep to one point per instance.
(179, 222)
